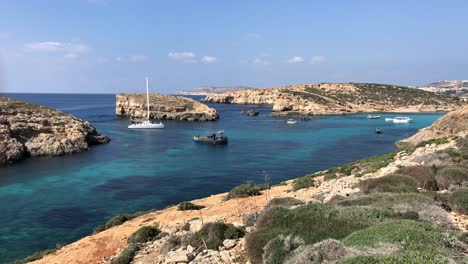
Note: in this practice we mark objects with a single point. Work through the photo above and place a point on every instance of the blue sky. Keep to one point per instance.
(107, 46)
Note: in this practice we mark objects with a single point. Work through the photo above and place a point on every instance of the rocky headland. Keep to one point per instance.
(214, 90)
(339, 98)
(408, 206)
(29, 130)
(449, 88)
(163, 107)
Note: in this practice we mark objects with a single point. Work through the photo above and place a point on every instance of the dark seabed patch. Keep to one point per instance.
(67, 217)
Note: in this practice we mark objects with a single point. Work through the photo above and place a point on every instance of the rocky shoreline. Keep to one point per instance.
(342, 189)
(29, 130)
(163, 107)
(338, 98)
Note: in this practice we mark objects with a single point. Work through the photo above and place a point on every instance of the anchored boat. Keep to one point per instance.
(212, 139)
(146, 123)
(373, 116)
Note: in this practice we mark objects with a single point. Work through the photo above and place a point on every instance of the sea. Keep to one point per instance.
(50, 200)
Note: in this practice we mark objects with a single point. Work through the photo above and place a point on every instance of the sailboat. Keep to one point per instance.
(147, 123)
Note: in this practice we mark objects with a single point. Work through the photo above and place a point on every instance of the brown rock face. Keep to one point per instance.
(454, 123)
(32, 130)
(163, 107)
(339, 98)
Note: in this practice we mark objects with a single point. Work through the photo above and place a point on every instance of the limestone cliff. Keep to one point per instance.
(32, 130)
(163, 107)
(339, 98)
(453, 124)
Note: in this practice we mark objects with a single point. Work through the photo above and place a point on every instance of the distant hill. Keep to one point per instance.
(214, 90)
(339, 98)
(448, 88)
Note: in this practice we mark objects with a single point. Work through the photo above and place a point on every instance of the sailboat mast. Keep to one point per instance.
(147, 98)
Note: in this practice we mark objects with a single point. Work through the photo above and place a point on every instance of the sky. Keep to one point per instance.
(109, 46)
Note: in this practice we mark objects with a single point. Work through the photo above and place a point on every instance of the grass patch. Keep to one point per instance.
(213, 234)
(451, 176)
(185, 206)
(285, 202)
(385, 200)
(244, 190)
(390, 183)
(458, 201)
(303, 183)
(115, 221)
(144, 234)
(312, 223)
(436, 141)
(329, 176)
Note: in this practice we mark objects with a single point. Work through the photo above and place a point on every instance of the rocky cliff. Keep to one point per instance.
(454, 123)
(214, 90)
(29, 130)
(448, 88)
(163, 107)
(339, 98)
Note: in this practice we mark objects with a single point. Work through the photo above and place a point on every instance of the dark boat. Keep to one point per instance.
(212, 139)
(378, 131)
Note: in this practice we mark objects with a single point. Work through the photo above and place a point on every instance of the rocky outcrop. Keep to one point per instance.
(163, 107)
(453, 124)
(214, 90)
(29, 130)
(449, 88)
(339, 98)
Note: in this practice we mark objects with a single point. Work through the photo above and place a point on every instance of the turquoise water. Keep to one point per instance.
(59, 199)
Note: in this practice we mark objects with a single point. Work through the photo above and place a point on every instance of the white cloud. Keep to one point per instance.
(317, 59)
(208, 59)
(296, 59)
(184, 55)
(137, 58)
(253, 35)
(52, 46)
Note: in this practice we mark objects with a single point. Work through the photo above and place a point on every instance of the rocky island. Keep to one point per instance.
(339, 98)
(30, 130)
(214, 90)
(448, 88)
(163, 107)
(408, 206)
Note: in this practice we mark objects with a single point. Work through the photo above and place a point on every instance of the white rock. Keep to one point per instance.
(229, 243)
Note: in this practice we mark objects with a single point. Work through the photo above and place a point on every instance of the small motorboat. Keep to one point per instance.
(373, 116)
(402, 119)
(378, 131)
(388, 119)
(291, 121)
(212, 139)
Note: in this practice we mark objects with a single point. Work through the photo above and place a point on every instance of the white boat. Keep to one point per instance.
(373, 116)
(146, 124)
(388, 119)
(402, 119)
(291, 121)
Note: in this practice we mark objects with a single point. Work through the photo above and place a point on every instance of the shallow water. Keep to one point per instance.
(59, 199)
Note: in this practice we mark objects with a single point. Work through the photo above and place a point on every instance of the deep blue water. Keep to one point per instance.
(59, 199)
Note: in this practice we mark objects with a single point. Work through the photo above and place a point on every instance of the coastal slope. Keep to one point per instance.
(339, 98)
(403, 207)
(163, 107)
(29, 130)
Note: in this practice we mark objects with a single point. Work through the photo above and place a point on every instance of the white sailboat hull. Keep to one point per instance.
(146, 125)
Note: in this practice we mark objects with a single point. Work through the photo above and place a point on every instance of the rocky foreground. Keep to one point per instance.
(409, 206)
(339, 98)
(29, 130)
(163, 107)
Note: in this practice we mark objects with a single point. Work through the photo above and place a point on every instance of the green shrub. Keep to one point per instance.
(390, 183)
(384, 200)
(313, 223)
(453, 175)
(277, 249)
(244, 190)
(115, 221)
(127, 255)
(184, 206)
(213, 234)
(329, 176)
(144, 234)
(436, 141)
(458, 201)
(303, 182)
(424, 176)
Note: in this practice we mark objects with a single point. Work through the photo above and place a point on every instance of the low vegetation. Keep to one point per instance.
(458, 201)
(389, 183)
(212, 235)
(127, 255)
(452, 176)
(38, 255)
(144, 234)
(436, 141)
(115, 221)
(244, 190)
(424, 176)
(184, 206)
(303, 183)
(286, 202)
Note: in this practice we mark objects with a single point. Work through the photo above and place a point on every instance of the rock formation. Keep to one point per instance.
(29, 130)
(448, 88)
(214, 90)
(339, 98)
(454, 123)
(163, 107)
